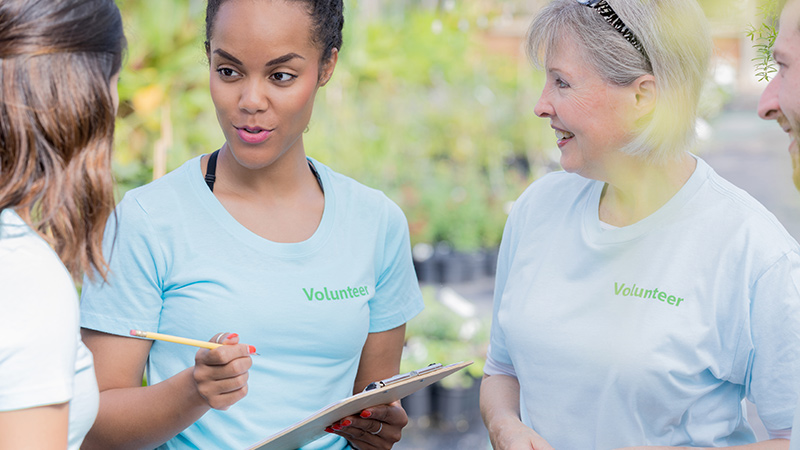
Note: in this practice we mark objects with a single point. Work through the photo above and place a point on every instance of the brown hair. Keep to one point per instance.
(57, 58)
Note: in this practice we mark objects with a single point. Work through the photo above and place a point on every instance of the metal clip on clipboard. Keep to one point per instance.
(402, 376)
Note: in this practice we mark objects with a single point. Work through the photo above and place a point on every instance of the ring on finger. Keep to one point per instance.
(379, 429)
(219, 337)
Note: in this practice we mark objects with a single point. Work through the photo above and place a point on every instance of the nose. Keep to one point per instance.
(543, 106)
(253, 98)
(768, 106)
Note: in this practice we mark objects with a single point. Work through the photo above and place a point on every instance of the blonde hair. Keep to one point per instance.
(676, 39)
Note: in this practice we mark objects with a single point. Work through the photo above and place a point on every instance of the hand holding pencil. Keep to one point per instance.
(220, 376)
(187, 341)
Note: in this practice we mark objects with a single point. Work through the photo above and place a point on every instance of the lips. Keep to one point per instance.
(784, 124)
(563, 136)
(253, 135)
(560, 135)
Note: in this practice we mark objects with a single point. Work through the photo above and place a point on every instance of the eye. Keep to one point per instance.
(561, 83)
(226, 73)
(282, 77)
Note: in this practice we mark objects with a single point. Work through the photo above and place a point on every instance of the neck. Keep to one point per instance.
(286, 176)
(637, 188)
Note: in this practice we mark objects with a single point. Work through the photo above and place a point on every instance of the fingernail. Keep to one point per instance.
(329, 429)
(251, 349)
(366, 413)
(337, 427)
(346, 423)
(231, 336)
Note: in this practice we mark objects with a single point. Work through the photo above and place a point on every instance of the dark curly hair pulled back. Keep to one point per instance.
(327, 17)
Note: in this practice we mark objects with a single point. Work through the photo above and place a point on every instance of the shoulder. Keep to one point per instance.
(724, 215)
(559, 184)
(33, 279)
(554, 191)
(358, 198)
(39, 315)
(739, 209)
(175, 187)
(26, 257)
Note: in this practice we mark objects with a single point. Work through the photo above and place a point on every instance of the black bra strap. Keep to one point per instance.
(316, 175)
(211, 170)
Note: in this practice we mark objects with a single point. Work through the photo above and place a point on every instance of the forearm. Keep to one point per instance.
(499, 403)
(146, 417)
(772, 444)
(24, 428)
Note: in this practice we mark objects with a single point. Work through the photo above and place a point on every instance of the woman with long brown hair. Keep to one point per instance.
(59, 66)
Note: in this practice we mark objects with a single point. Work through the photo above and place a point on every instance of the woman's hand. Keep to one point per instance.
(378, 427)
(221, 374)
(500, 410)
(517, 436)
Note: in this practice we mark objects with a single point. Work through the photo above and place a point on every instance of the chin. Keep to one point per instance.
(252, 158)
(570, 166)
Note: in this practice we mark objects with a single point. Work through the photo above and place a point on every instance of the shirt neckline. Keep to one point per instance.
(596, 232)
(230, 225)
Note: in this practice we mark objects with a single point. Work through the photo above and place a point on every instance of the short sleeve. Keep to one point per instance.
(397, 296)
(774, 367)
(498, 362)
(131, 298)
(39, 320)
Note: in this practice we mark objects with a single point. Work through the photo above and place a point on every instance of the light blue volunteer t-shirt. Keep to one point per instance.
(182, 265)
(649, 334)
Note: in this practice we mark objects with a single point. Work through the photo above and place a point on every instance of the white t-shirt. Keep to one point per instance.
(649, 334)
(795, 442)
(182, 265)
(42, 358)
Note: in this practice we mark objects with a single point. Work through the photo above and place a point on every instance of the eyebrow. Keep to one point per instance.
(228, 56)
(279, 60)
(285, 58)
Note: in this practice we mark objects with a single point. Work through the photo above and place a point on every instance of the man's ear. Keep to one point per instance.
(646, 93)
(327, 68)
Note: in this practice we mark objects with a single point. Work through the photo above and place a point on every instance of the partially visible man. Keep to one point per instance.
(781, 99)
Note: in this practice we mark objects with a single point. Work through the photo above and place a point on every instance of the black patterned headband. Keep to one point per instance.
(605, 10)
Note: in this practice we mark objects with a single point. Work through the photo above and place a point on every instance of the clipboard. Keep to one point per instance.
(377, 393)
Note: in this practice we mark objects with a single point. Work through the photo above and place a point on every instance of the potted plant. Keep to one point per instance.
(440, 334)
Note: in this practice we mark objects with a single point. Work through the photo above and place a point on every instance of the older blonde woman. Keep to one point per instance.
(640, 297)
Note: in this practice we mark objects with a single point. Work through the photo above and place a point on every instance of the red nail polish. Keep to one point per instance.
(337, 427)
(231, 336)
(251, 349)
(329, 429)
(366, 413)
(346, 423)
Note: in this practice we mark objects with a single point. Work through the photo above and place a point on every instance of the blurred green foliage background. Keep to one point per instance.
(431, 102)
(419, 107)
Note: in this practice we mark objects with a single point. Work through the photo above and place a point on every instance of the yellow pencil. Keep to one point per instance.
(182, 340)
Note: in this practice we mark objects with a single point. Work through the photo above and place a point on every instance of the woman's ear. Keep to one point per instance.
(327, 68)
(646, 94)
